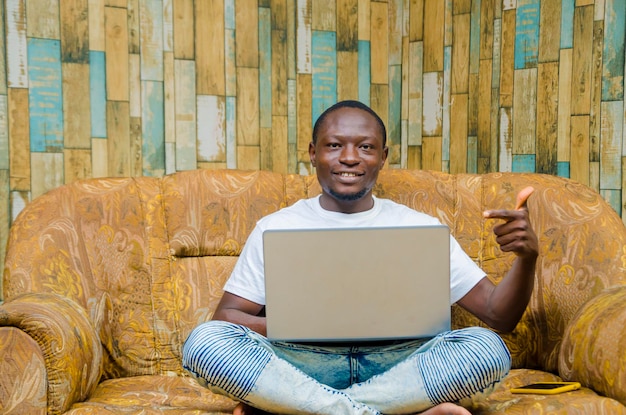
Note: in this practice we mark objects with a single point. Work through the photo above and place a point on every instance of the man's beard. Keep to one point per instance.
(349, 197)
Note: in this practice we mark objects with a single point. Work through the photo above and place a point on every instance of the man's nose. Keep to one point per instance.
(349, 155)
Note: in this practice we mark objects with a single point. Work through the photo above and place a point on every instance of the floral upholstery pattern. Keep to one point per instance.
(105, 278)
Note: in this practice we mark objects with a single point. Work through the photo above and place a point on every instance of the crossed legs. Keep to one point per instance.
(450, 368)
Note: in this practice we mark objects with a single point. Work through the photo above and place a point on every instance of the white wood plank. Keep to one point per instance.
(49, 172)
(303, 36)
(186, 155)
(17, 58)
(433, 104)
(211, 128)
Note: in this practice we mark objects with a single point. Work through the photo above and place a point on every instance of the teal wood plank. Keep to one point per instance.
(567, 23)
(365, 75)
(472, 154)
(4, 133)
(611, 131)
(445, 126)
(475, 36)
(394, 126)
(230, 62)
(153, 128)
(265, 67)
(523, 163)
(231, 132)
(562, 169)
(613, 197)
(151, 22)
(527, 34)
(229, 14)
(292, 125)
(613, 52)
(324, 77)
(97, 91)
(45, 95)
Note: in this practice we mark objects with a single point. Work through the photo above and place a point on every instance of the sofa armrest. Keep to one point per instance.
(592, 351)
(68, 342)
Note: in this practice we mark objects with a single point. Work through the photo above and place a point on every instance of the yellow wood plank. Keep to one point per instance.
(549, 31)
(279, 14)
(564, 111)
(117, 77)
(416, 20)
(347, 75)
(184, 29)
(395, 24)
(169, 97)
(77, 164)
(347, 25)
(5, 217)
(118, 131)
(19, 143)
(324, 14)
(364, 23)
(458, 133)
(76, 106)
(460, 54)
(209, 51)
(279, 72)
(472, 119)
(579, 143)
(379, 101)
(43, 19)
(433, 35)
(248, 117)
(134, 27)
(304, 115)
(431, 153)
(74, 30)
(134, 74)
(3, 54)
(212, 166)
(486, 29)
(280, 147)
(291, 40)
(116, 3)
(547, 117)
(265, 151)
(379, 44)
(596, 90)
(461, 6)
(99, 157)
(484, 108)
(248, 157)
(49, 172)
(582, 60)
(136, 144)
(507, 58)
(524, 111)
(96, 25)
(414, 157)
(246, 33)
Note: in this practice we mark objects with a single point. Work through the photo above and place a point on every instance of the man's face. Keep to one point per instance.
(348, 155)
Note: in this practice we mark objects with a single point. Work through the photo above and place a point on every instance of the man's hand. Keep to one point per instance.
(516, 233)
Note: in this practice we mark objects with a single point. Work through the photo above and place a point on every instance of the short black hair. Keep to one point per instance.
(349, 104)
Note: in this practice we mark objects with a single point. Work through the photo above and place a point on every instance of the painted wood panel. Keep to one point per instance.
(138, 87)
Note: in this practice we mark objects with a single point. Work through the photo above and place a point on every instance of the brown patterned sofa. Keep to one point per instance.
(105, 278)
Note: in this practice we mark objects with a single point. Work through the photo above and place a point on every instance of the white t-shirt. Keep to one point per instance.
(248, 281)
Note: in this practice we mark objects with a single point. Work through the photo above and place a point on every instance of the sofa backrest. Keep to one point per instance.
(147, 257)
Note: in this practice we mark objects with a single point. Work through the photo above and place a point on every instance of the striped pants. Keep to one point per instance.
(287, 378)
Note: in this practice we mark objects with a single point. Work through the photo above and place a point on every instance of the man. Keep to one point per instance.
(430, 376)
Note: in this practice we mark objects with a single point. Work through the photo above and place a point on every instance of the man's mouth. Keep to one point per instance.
(349, 174)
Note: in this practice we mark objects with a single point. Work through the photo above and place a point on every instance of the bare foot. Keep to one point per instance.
(446, 408)
(243, 409)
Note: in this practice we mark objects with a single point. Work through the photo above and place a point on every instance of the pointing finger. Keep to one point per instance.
(522, 197)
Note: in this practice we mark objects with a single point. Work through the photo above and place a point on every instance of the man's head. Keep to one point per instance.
(348, 150)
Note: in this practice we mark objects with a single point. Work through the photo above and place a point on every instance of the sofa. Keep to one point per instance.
(105, 278)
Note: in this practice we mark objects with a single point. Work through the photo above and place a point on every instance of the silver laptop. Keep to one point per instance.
(363, 284)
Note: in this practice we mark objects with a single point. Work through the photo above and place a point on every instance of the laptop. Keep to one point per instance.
(357, 284)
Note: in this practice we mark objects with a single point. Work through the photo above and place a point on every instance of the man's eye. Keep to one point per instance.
(333, 145)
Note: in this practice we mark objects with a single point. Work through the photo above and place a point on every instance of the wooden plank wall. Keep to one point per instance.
(92, 88)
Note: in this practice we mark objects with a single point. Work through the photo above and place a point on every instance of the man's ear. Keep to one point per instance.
(385, 154)
(312, 153)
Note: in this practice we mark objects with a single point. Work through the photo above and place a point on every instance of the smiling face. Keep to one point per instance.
(348, 153)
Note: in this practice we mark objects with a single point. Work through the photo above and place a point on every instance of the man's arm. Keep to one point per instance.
(238, 310)
(502, 306)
